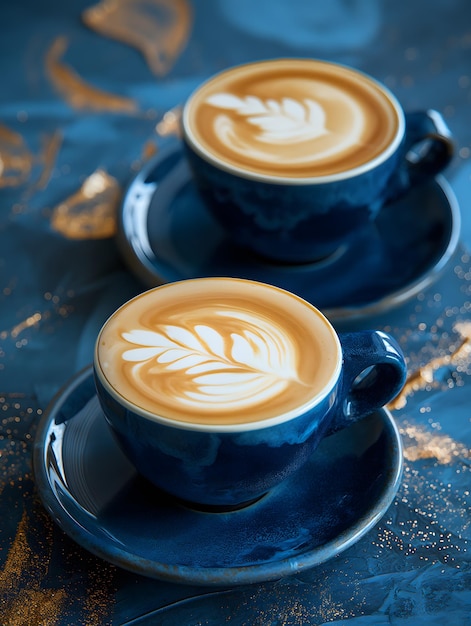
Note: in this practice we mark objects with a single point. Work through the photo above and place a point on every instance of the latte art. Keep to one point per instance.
(223, 355)
(214, 365)
(290, 129)
(287, 121)
(294, 118)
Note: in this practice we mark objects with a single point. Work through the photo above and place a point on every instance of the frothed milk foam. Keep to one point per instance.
(218, 351)
(291, 118)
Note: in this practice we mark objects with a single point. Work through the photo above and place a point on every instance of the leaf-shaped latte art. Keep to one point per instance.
(210, 368)
(288, 120)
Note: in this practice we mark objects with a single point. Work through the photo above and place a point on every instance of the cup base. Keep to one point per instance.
(316, 262)
(213, 508)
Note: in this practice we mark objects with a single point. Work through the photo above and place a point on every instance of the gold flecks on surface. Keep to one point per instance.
(32, 320)
(28, 593)
(431, 516)
(159, 29)
(319, 607)
(99, 596)
(149, 150)
(424, 376)
(14, 448)
(420, 443)
(28, 604)
(15, 159)
(170, 123)
(60, 309)
(75, 90)
(90, 213)
(31, 606)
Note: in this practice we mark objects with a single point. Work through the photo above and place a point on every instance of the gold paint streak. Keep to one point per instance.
(424, 376)
(76, 91)
(170, 123)
(51, 146)
(430, 445)
(15, 159)
(158, 29)
(90, 213)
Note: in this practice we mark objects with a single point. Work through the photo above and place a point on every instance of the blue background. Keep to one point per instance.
(75, 102)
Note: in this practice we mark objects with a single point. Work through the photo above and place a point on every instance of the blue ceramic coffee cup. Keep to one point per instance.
(218, 389)
(294, 157)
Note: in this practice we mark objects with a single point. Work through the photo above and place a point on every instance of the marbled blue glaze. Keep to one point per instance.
(291, 223)
(306, 221)
(226, 468)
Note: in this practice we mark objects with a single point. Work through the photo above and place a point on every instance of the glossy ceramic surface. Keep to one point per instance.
(226, 465)
(167, 234)
(299, 223)
(96, 496)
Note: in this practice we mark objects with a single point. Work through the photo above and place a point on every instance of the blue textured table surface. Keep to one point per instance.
(85, 90)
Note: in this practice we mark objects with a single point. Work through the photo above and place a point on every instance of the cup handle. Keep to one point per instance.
(374, 372)
(428, 145)
(427, 149)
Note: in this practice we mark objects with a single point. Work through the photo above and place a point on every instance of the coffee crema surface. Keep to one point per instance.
(291, 118)
(218, 351)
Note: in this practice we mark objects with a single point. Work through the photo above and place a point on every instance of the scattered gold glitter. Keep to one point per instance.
(424, 376)
(90, 213)
(420, 443)
(149, 150)
(288, 603)
(76, 91)
(17, 558)
(99, 595)
(432, 518)
(170, 123)
(33, 320)
(159, 29)
(15, 159)
(8, 466)
(29, 604)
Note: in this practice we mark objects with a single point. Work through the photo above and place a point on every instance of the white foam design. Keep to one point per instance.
(210, 367)
(286, 121)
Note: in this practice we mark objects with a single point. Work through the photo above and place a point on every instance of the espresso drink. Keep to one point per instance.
(291, 119)
(219, 351)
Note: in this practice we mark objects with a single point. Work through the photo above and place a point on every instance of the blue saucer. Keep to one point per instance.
(95, 495)
(166, 234)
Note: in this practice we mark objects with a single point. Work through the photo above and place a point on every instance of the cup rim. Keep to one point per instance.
(193, 144)
(223, 428)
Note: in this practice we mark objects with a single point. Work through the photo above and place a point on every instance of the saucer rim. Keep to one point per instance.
(133, 254)
(201, 575)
